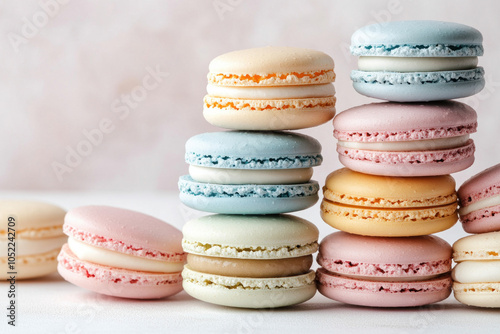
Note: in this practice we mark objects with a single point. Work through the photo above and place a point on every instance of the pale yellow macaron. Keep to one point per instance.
(388, 206)
(270, 88)
(477, 273)
(31, 236)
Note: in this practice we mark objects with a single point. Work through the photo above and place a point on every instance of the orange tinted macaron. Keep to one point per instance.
(270, 88)
(389, 206)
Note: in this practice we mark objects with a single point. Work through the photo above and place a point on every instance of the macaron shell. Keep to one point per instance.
(478, 294)
(247, 198)
(115, 281)
(417, 38)
(482, 185)
(123, 230)
(382, 294)
(259, 66)
(275, 119)
(484, 246)
(263, 237)
(253, 150)
(32, 215)
(406, 87)
(391, 121)
(408, 250)
(251, 292)
(482, 221)
(406, 164)
(30, 266)
(387, 223)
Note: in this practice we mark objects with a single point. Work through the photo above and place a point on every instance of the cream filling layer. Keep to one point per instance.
(249, 176)
(477, 272)
(484, 203)
(24, 246)
(414, 145)
(272, 92)
(119, 260)
(416, 64)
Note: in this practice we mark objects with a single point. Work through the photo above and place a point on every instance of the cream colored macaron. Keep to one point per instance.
(477, 273)
(250, 261)
(31, 236)
(270, 88)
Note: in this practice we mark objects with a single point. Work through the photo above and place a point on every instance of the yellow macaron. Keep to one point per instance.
(270, 88)
(388, 206)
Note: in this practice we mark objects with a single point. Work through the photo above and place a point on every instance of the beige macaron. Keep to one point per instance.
(270, 88)
(31, 236)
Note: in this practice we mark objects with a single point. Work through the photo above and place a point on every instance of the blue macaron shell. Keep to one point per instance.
(247, 198)
(419, 86)
(417, 39)
(253, 150)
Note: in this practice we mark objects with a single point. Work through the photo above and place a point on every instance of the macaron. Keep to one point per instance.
(477, 273)
(121, 253)
(31, 236)
(384, 272)
(270, 88)
(243, 172)
(388, 206)
(409, 61)
(250, 261)
(479, 199)
(406, 139)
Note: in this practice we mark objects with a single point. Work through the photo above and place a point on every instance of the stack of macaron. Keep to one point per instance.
(477, 273)
(249, 254)
(396, 190)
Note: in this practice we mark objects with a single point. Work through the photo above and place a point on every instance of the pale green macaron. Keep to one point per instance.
(250, 261)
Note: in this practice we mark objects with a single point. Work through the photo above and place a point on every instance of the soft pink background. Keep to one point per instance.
(67, 76)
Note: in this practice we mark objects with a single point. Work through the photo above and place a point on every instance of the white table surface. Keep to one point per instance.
(51, 305)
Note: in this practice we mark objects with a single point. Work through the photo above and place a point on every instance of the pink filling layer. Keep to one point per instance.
(104, 273)
(421, 134)
(437, 156)
(474, 197)
(331, 280)
(481, 214)
(386, 270)
(118, 246)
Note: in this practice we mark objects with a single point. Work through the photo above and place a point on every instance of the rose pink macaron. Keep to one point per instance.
(479, 199)
(384, 272)
(406, 139)
(121, 253)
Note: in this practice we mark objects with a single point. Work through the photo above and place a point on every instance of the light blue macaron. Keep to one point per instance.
(418, 39)
(250, 150)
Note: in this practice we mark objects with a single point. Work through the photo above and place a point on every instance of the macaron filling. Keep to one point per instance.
(413, 145)
(25, 247)
(102, 256)
(477, 272)
(249, 176)
(250, 267)
(276, 92)
(479, 205)
(415, 64)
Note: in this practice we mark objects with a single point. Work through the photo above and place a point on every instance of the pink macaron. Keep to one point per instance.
(384, 272)
(479, 199)
(121, 253)
(406, 139)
